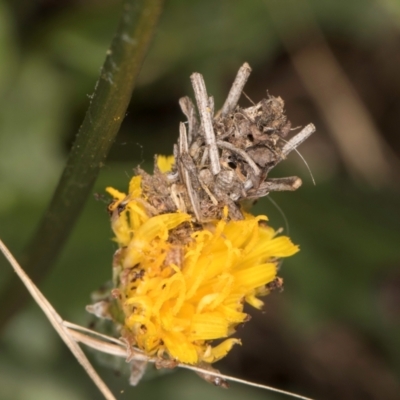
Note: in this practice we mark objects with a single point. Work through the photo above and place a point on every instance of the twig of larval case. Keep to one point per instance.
(298, 139)
(183, 149)
(236, 89)
(206, 117)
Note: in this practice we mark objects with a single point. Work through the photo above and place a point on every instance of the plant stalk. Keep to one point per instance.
(97, 133)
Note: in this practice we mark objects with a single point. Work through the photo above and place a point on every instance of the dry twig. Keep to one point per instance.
(236, 90)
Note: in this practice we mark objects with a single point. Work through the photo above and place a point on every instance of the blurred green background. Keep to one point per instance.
(335, 331)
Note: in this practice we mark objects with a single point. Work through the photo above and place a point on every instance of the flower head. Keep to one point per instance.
(182, 283)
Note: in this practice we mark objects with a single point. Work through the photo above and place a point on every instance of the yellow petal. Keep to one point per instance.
(165, 163)
(254, 301)
(220, 351)
(115, 193)
(143, 303)
(135, 186)
(238, 232)
(122, 230)
(265, 250)
(254, 277)
(208, 326)
(280, 246)
(171, 288)
(231, 314)
(180, 348)
(159, 226)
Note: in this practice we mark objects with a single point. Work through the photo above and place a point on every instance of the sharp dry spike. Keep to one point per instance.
(303, 159)
(183, 151)
(289, 183)
(211, 105)
(189, 110)
(236, 89)
(297, 140)
(200, 92)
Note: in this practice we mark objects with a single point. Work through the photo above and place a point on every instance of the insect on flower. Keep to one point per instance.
(189, 254)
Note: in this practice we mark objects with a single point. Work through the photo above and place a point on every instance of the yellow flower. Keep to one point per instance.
(181, 284)
(165, 163)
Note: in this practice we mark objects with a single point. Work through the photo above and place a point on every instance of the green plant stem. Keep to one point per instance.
(103, 119)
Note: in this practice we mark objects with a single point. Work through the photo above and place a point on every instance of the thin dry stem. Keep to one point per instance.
(236, 89)
(183, 151)
(289, 183)
(101, 345)
(189, 110)
(298, 139)
(120, 351)
(206, 118)
(57, 323)
(74, 327)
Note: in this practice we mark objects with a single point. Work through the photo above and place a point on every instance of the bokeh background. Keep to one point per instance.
(335, 331)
